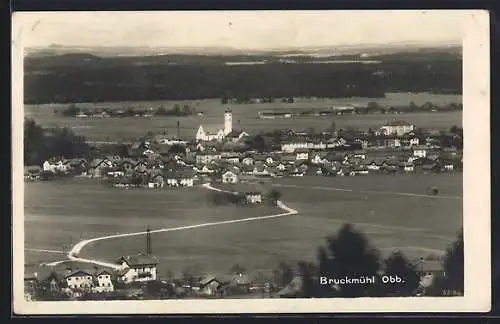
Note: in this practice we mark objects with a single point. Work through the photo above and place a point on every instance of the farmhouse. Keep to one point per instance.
(80, 280)
(420, 151)
(229, 177)
(209, 286)
(103, 282)
(137, 268)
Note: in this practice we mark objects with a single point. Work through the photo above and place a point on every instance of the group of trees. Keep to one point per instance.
(73, 110)
(186, 110)
(349, 254)
(41, 144)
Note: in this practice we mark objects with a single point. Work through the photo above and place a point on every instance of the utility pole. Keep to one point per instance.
(148, 242)
(178, 129)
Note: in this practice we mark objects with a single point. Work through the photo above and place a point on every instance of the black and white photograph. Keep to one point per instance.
(251, 161)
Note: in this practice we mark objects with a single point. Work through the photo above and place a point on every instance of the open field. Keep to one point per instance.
(60, 214)
(244, 116)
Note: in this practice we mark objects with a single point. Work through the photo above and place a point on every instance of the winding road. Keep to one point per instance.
(76, 249)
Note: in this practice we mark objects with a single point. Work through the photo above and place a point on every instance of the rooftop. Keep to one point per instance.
(139, 260)
(398, 123)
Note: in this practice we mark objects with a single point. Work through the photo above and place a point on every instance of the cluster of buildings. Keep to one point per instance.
(73, 280)
(172, 162)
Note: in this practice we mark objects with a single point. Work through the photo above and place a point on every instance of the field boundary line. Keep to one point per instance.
(76, 249)
(368, 191)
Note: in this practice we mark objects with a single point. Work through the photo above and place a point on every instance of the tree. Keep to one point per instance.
(283, 274)
(454, 265)
(237, 269)
(348, 254)
(274, 196)
(397, 265)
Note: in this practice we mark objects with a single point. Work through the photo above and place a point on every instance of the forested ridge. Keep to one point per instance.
(89, 78)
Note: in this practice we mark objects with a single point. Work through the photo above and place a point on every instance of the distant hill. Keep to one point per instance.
(225, 51)
(78, 76)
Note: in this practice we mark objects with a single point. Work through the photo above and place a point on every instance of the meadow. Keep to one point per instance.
(244, 116)
(59, 214)
(395, 212)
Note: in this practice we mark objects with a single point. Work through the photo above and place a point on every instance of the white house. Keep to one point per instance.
(396, 127)
(253, 197)
(229, 177)
(80, 280)
(216, 133)
(56, 165)
(420, 151)
(302, 154)
(103, 282)
(138, 268)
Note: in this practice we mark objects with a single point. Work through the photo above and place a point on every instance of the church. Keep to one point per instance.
(219, 133)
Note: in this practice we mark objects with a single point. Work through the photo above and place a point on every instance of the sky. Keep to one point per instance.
(242, 30)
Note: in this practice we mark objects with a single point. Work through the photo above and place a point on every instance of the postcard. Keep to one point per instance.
(211, 162)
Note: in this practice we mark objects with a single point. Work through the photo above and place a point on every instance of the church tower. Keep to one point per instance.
(228, 122)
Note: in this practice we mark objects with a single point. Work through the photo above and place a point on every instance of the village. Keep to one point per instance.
(225, 155)
(232, 159)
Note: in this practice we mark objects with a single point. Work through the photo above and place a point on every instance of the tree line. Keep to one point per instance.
(41, 144)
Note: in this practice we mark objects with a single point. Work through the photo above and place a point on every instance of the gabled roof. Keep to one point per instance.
(139, 260)
(212, 129)
(78, 273)
(397, 123)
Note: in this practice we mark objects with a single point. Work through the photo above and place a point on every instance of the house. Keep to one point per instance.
(248, 160)
(56, 165)
(318, 158)
(396, 127)
(407, 166)
(229, 177)
(78, 165)
(32, 172)
(137, 268)
(237, 136)
(209, 286)
(186, 177)
(420, 151)
(448, 165)
(98, 167)
(207, 157)
(260, 170)
(103, 282)
(156, 180)
(253, 197)
(302, 154)
(80, 280)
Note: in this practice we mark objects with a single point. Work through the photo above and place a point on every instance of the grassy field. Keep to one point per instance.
(60, 214)
(244, 116)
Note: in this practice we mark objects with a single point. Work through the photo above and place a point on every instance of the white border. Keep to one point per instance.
(476, 211)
